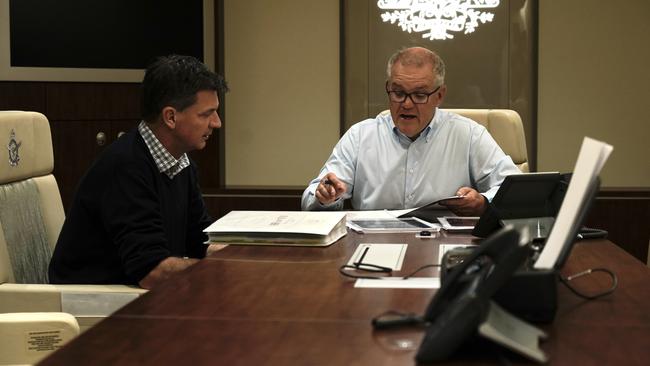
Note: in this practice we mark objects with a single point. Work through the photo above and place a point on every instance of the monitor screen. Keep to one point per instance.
(77, 40)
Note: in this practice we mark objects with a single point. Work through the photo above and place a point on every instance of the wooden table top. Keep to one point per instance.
(248, 305)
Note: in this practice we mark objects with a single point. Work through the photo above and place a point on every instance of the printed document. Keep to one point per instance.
(591, 159)
(279, 228)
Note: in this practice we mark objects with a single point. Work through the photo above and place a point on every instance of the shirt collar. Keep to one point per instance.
(165, 161)
(426, 132)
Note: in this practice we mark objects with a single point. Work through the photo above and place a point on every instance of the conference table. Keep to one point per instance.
(274, 305)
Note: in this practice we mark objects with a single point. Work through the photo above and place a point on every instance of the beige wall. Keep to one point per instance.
(594, 80)
(282, 66)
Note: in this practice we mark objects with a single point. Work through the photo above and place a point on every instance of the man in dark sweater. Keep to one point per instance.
(138, 215)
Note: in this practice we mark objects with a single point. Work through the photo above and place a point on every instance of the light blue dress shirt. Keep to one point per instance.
(384, 169)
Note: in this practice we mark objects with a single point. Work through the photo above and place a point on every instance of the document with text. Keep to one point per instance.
(278, 228)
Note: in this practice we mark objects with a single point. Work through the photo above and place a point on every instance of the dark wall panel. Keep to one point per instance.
(625, 214)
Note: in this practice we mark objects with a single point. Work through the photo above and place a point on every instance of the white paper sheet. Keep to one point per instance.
(398, 282)
(592, 158)
(385, 255)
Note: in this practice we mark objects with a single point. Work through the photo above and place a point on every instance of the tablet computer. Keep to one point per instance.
(384, 225)
(457, 223)
(430, 212)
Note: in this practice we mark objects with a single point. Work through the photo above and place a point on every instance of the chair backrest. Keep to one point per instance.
(506, 128)
(31, 211)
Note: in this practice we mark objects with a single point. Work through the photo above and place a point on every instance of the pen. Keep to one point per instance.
(329, 186)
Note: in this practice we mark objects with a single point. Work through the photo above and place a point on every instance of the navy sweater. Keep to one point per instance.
(126, 217)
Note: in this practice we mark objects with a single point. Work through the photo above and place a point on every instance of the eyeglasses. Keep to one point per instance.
(375, 272)
(365, 267)
(363, 270)
(399, 96)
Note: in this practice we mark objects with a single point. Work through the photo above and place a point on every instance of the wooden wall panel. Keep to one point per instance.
(24, 96)
(75, 149)
(625, 214)
(223, 201)
(93, 101)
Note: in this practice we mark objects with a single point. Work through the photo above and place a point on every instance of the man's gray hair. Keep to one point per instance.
(418, 56)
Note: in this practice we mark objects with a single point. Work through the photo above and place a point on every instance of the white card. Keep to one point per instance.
(398, 282)
(385, 255)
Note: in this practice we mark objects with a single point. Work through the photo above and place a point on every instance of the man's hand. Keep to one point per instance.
(330, 189)
(472, 203)
(164, 269)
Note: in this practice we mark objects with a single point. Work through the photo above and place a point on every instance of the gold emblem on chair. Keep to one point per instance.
(13, 146)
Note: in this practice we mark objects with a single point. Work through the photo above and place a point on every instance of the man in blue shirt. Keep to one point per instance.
(415, 155)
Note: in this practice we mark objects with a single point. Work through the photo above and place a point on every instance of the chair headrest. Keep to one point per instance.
(25, 146)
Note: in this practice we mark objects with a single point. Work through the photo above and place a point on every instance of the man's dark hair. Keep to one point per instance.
(174, 81)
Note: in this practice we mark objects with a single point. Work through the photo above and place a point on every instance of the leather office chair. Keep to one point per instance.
(31, 216)
(506, 128)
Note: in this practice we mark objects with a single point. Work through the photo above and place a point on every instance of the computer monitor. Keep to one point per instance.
(520, 196)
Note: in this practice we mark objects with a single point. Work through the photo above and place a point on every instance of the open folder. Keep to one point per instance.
(430, 212)
(306, 228)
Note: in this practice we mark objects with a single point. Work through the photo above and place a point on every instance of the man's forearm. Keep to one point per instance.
(164, 269)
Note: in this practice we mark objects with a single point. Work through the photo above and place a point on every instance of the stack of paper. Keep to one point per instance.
(591, 159)
(278, 228)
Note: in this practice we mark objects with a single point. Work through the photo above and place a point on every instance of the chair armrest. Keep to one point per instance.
(28, 337)
(88, 303)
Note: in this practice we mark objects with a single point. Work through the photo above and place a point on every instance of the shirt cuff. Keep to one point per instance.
(490, 193)
(336, 205)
